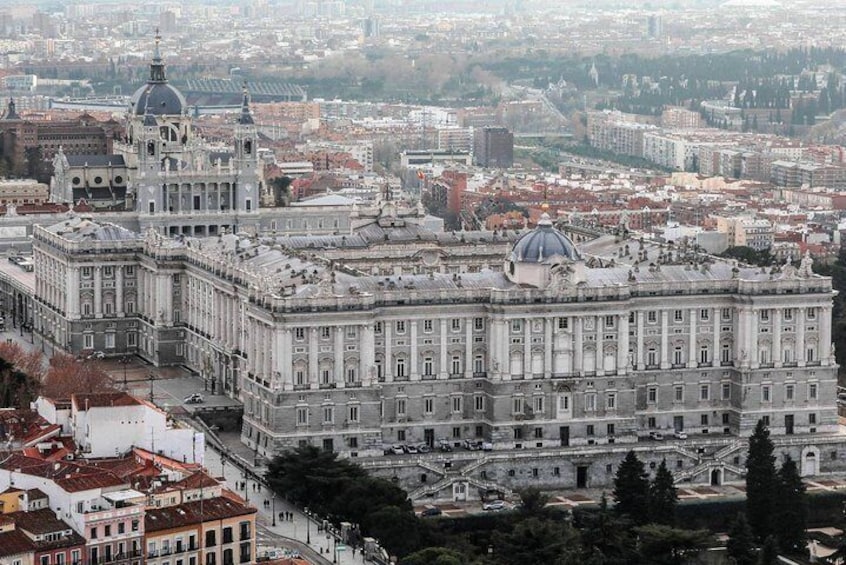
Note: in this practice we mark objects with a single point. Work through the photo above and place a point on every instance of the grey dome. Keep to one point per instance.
(158, 99)
(542, 243)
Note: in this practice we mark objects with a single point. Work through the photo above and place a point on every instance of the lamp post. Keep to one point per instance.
(335, 550)
(273, 509)
(308, 526)
(152, 377)
(124, 361)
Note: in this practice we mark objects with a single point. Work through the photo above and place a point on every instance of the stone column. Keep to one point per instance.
(313, 381)
(623, 363)
(579, 347)
(599, 327)
(752, 339)
(691, 344)
(339, 356)
(665, 339)
(443, 370)
(527, 348)
(285, 363)
(640, 345)
(468, 348)
(72, 291)
(777, 336)
(825, 336)
(741, 350)
(717, 349)
(98, 292)
(800, 336)
(414, 362)
(547, 346)
(119, 290)
(367, 358)
(495, 361)
(388, 330)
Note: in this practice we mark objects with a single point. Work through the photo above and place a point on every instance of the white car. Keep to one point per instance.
(195, 398)
(494, 505)
(679, 434)
(657, 436)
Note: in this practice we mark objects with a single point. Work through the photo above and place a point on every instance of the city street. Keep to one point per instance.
(299, 533)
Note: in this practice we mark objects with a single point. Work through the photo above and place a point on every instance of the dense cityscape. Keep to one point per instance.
(412, 282)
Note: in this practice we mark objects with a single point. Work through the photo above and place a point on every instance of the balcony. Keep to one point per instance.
(480, 375)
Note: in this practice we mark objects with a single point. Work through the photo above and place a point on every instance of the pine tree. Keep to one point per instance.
(760, 482)
(631, 489)
(769, 552)
(741, 542)
(791, 508)
(662, 496)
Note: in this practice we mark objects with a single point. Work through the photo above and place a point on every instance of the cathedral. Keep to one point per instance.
(173, 180)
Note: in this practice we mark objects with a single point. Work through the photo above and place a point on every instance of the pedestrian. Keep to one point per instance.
(280, 517)
(353, 551)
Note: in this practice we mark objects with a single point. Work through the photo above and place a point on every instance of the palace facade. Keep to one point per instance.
(394, 334)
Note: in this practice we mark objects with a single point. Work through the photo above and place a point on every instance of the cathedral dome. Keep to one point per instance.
(157, 97)
(542, 243)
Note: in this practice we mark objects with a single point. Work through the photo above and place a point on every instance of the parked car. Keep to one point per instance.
(411, 449)
(486, 446)
(494, 506)
(397, 449)
(679, 434)
(195, 398)
(423, 448)
(470, 445)
(431, 511)
(657, 436)
(445, 446)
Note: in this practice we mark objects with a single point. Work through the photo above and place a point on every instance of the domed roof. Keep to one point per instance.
(542, 243)
(157, 97)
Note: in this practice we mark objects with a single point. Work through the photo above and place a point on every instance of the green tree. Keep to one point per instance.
(663, 496)
(665, 545)
(360, 498)
(741, 542)
(605, 536)
(310, 476)
(769, 552)
(535, 540)
(397, 529)
(434, 556)
(631, 489)
(791, 508)
(533, 501)
(760, 482)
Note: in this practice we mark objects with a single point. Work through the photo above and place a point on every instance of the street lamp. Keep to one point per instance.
(152, 377)
(273, 509)
(335, 550)
(308, 526)
(124, 361)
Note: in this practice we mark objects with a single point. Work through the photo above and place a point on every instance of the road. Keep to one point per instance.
(299, 533)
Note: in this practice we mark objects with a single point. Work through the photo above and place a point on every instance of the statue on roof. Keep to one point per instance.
(60, 184)
(805, 265)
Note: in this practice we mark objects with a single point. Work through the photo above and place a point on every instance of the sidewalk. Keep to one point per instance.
(302, 533)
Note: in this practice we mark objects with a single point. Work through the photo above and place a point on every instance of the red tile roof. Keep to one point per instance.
(194, 512)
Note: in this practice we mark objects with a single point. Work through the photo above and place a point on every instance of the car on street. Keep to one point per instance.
(494, 506)
(657, 436)
(423, 448)
(679, 434)
(397, 449)
(411, 449)
(431, 511)
(470, 445)
(445, 446)
(195, 398)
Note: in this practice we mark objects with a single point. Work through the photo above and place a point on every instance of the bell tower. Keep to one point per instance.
(246, 159)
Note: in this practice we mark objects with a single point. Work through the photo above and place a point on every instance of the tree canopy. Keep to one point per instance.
(760, 482)
(631, 489)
